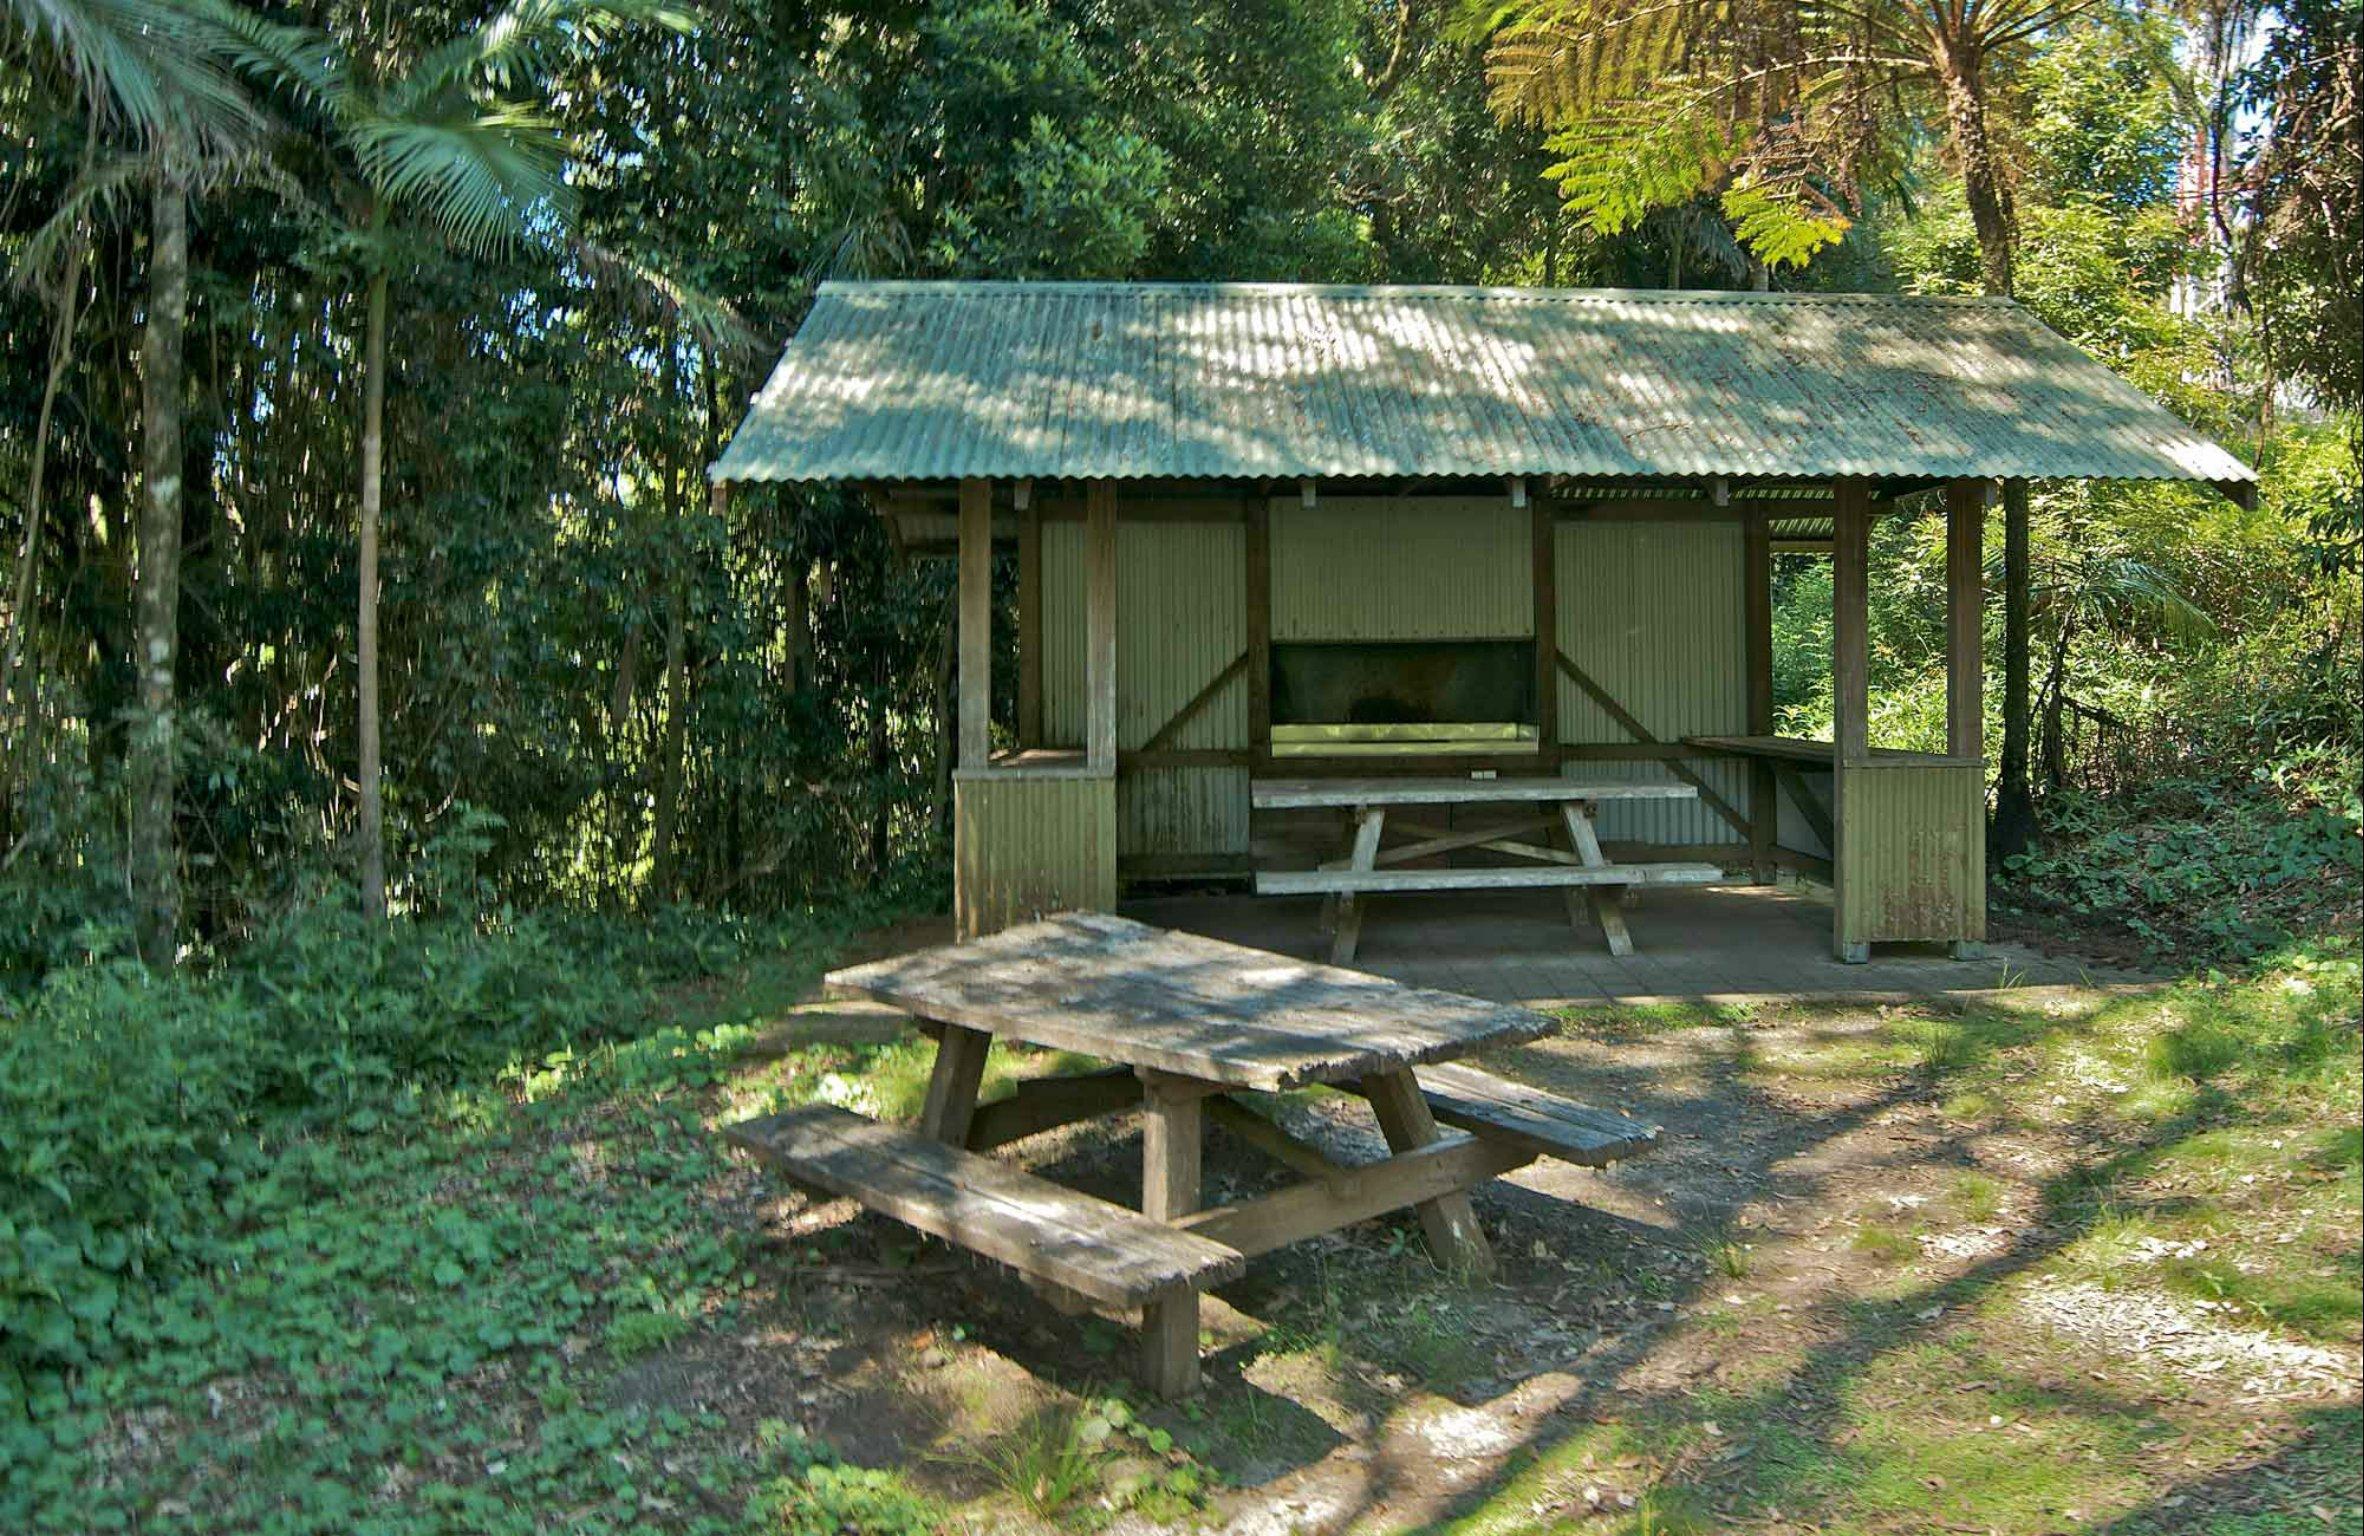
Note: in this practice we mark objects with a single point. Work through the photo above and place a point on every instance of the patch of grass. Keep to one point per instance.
(1939, 1047)
(1725, 1253)
(1430, 1338)
(642, 1331)
(2011, 1454)
(1045, 1463)
(1632, 1020)
(1884, 1241)
(1969, 1106)
(1975, 1196)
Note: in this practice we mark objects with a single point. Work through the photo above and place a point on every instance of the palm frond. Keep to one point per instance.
(474, 173)
(155, 66)
(517, 41)
(645, 288)
(92, 198)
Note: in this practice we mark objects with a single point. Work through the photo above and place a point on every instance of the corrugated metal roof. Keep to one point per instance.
(933, 381)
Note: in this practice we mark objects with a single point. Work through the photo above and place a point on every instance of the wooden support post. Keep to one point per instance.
(1100, 627)
(1965, 612)
(1259, 579)
(976, 622)
(951, 1103)
(1850, 673)
(1030, 626)
(1173, 1132)
(1547, 634)
(1449, 1222)
(1764, 805)
(1370, 821)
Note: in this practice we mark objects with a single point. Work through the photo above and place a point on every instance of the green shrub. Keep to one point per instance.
(135, 1109)
(2203, 869)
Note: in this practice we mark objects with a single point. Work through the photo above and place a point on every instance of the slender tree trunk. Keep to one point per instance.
(2015, 811)
(155, 871)
(1960, 75)
(671, 765)
(372, 829)
(672, 761)
(20, 610)
(882, 760)
(2055, 756)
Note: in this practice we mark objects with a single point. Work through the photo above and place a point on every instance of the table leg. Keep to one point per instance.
(952, 1087)
(1449, 1222)
(1605, 907)
(1172, 1135)
(1370, 820)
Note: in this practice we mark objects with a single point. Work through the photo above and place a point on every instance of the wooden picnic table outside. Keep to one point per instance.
(1186, 1022)
(1591, 880)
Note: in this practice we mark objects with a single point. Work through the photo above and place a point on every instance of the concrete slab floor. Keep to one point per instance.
(1716, 944)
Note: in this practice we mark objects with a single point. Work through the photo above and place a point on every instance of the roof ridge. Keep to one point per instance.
(1471, 291)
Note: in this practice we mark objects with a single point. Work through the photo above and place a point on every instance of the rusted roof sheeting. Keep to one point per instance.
(937, 381)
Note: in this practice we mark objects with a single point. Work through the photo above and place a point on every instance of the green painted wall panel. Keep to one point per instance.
(1181, 619)
(1024, 845)
(1434, 568)
(1912, 853)
(1652, 611)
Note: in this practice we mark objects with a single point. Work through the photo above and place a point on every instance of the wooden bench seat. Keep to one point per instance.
(1320, 882)
(1499, 1110)
(1103, 1252)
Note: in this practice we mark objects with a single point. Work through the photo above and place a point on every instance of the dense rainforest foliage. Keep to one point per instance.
(371, 652)
(584, 231)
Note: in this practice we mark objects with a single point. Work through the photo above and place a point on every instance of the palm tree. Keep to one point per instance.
(1784, 109)
(168, 76)
(449, 148)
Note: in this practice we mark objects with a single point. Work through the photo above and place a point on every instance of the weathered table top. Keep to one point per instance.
(1175, 1002)
(1286, 794)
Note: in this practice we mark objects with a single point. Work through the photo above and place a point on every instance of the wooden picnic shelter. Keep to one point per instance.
(1487, 571)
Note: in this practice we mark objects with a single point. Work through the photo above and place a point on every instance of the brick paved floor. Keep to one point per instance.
(1723, 944)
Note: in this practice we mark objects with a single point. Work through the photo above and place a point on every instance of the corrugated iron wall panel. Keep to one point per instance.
(1023, 846)
(1370, 568)
(1652, 611)
(1181, 618)
(1912, 853)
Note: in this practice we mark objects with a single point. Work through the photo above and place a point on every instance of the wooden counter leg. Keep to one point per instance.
(1172, 1134)
(1449, 1222)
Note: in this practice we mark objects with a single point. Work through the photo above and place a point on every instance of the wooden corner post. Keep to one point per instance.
(1545, 582)
(1756, 587)
(1965, 694)
(976, 623)
(1850, 675)
(1100, 627)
